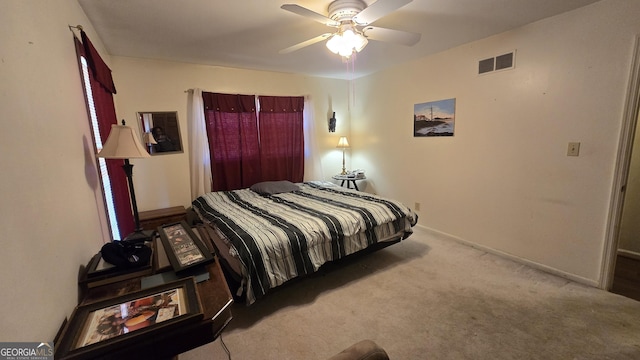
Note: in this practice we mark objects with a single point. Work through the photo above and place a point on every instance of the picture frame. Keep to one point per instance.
(183, 247)
(105, 326)
(434, 118)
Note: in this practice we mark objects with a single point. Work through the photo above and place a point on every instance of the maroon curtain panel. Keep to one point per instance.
(99, 69)
(234, 146)
(106, 115)
(281, 138)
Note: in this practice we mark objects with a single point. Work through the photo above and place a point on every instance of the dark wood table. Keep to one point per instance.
(350, 179)
(214, 297)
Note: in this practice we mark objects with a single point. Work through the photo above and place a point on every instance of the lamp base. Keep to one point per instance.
(139, 236)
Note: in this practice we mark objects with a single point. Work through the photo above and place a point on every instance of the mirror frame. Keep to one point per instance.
(168, 122)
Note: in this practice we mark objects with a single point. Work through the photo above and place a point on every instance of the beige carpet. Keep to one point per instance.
(433, 298)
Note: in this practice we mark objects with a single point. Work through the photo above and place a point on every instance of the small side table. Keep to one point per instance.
(350, 180)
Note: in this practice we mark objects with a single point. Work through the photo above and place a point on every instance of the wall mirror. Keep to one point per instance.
(160, 132)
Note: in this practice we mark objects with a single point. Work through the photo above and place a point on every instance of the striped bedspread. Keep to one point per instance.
(279, 237)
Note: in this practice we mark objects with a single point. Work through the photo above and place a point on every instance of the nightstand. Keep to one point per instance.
(156, 341)
(150, 220)
(349, 179)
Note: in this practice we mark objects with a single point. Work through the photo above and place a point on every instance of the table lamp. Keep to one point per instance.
(123, 143)
(149, 140)
(343, 144)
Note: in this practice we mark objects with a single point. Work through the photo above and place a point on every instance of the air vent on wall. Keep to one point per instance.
(500, 62)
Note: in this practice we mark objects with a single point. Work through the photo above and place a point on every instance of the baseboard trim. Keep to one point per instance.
(629, 254)
(518, 259)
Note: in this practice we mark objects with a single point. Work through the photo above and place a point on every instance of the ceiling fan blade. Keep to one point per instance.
(377, 10)
(305, 43)
(390, 35)
(297, 9)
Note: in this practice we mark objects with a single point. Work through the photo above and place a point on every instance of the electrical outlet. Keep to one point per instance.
(417, 206)
(573, 149)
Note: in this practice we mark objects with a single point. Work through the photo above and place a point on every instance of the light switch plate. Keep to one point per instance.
(573, 149)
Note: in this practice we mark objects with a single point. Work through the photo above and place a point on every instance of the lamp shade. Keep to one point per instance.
(149, 139)
(122, 143)
(343, 143)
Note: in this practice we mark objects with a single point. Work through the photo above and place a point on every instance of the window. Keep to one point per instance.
(248, 146)
(99, 89)
(102, 163)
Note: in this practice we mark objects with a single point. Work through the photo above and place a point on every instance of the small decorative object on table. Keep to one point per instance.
(183, 247)
(100, 272)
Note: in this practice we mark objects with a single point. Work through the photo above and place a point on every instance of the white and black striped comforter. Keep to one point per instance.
(279, 237)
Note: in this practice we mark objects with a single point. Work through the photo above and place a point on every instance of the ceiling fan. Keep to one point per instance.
(352, 19)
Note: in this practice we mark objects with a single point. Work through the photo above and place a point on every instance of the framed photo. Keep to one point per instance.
(104, 326)
(434, 118)
(184, 248)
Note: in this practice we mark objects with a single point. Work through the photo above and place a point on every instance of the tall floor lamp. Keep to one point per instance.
(123, 143)
(343, 144)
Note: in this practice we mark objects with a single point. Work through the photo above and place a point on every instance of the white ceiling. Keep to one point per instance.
(249, 33)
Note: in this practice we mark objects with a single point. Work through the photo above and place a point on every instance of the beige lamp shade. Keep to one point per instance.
(149, 139)
(343, 143)
(122, 143)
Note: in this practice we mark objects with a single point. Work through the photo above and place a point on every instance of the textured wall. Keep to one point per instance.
(504, 181)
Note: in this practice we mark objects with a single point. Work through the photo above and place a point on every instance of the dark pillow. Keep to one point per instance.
(274, 187)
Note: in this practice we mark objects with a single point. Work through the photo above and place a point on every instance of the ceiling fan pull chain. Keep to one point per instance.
(350, 68)
(353, 71)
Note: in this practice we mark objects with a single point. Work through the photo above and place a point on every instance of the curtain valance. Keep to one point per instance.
(228, 103)
(281, 104)
(100, 70)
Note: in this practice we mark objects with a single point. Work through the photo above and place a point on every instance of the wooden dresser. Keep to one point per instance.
(150, 220)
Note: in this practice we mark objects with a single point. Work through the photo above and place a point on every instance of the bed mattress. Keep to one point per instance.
(270, 239)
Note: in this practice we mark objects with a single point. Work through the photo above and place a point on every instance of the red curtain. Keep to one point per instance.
(246, 149)
(99, 75)
(233, 140)
(282, 138)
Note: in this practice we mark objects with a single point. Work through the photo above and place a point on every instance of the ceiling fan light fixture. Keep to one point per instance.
(352, 18)
(349, 36)
(334, 43)
(360, 42)
(345, 52)
(345, 43)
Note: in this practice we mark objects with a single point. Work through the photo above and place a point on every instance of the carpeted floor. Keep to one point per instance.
(433, 298)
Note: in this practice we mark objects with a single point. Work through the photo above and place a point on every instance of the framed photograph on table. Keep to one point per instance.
(184, 248)
(104, 326)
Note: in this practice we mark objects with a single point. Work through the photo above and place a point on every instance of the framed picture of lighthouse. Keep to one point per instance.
(434, 118)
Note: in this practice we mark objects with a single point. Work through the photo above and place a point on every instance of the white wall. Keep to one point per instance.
(504, 181)
(51, 206)
(149, 85)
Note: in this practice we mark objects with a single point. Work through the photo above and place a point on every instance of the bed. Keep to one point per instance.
(274, 232)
